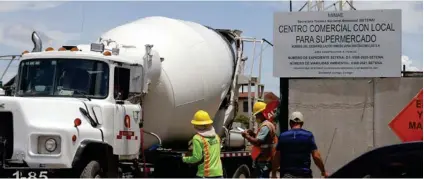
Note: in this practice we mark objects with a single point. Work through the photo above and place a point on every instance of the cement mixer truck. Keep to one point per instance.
(121, 107)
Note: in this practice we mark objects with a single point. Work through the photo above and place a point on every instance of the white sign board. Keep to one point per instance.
(365, 43)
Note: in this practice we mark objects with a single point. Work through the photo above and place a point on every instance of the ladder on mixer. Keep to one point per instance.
(249, 80)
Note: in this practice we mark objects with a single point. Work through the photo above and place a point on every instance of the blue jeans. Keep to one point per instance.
(263, 169)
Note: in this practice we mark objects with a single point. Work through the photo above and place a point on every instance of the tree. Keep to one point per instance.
(243, 120)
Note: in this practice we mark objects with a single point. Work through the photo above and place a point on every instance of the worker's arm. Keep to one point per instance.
(197, 153)
(317, 157)
(318, 160)
(260, 138)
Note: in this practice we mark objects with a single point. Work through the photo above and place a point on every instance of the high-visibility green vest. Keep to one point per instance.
(208, 149)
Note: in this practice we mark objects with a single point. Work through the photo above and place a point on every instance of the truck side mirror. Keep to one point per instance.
(136, 79)
(2, 91)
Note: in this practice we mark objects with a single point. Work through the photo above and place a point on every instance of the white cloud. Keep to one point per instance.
(10, 6)
(408, 64)
(19, 36)
(412, 12)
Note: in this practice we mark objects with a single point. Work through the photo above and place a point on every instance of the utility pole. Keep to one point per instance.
(291, 7)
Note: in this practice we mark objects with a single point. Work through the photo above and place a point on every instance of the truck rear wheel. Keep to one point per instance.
(92, 170)
(242, 172)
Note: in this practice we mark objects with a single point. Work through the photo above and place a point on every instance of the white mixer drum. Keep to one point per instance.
(196, 74)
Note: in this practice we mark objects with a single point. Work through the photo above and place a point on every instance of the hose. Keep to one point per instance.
(156, 136)
(142, 152)
(227, 139)
(142, 142)
(142, 131)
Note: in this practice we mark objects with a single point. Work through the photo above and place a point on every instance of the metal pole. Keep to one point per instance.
(260, 73)
(284, 104)
(249, 105)
(291, 6)
(260, 62)
(8, 65)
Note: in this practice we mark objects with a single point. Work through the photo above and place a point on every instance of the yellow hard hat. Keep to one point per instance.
(201, 118)
(258, 107)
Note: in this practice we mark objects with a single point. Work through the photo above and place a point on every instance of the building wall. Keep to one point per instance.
(241, 107)
(268, 97)
(350, 116)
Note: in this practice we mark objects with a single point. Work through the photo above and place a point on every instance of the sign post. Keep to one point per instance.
(408, 124)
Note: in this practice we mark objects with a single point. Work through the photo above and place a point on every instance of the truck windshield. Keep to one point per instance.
(63, 77)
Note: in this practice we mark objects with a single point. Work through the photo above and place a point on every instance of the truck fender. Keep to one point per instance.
(97, 150)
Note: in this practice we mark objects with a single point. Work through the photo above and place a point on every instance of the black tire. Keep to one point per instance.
(242, 172)
(92, 170)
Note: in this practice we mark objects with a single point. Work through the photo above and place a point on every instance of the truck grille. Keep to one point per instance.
(6, 135)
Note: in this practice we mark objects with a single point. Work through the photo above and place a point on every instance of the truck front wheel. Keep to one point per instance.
(92, 170)
(242, 172)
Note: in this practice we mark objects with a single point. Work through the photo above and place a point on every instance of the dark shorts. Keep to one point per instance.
(263, 169)
(295, 174)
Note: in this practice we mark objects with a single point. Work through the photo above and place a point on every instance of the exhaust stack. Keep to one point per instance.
(36, 40)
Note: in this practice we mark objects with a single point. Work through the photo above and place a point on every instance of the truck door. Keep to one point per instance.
(126, 115)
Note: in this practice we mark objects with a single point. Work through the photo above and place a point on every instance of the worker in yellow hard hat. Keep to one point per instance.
(206, 145)
(263, 142)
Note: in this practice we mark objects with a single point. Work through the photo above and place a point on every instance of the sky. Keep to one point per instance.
(71, 23)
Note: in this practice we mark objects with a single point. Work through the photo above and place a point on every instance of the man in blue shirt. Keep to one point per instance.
(294, 150)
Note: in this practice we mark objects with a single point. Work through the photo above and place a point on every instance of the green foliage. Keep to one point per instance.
(242, 119)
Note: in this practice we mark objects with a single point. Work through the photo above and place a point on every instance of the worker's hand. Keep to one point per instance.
(188, 153)
(244, 134)
(250, 132)
(324, 174)
(182, 156)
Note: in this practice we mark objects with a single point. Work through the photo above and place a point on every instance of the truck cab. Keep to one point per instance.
(72, 106)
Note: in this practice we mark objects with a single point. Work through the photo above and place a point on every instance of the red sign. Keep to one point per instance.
(408, 124)
(270, 110)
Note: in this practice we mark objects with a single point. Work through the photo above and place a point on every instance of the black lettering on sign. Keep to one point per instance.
(418, 105)
(415, 125)
(335, 14)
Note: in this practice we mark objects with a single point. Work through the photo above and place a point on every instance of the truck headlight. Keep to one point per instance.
(49, 145)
